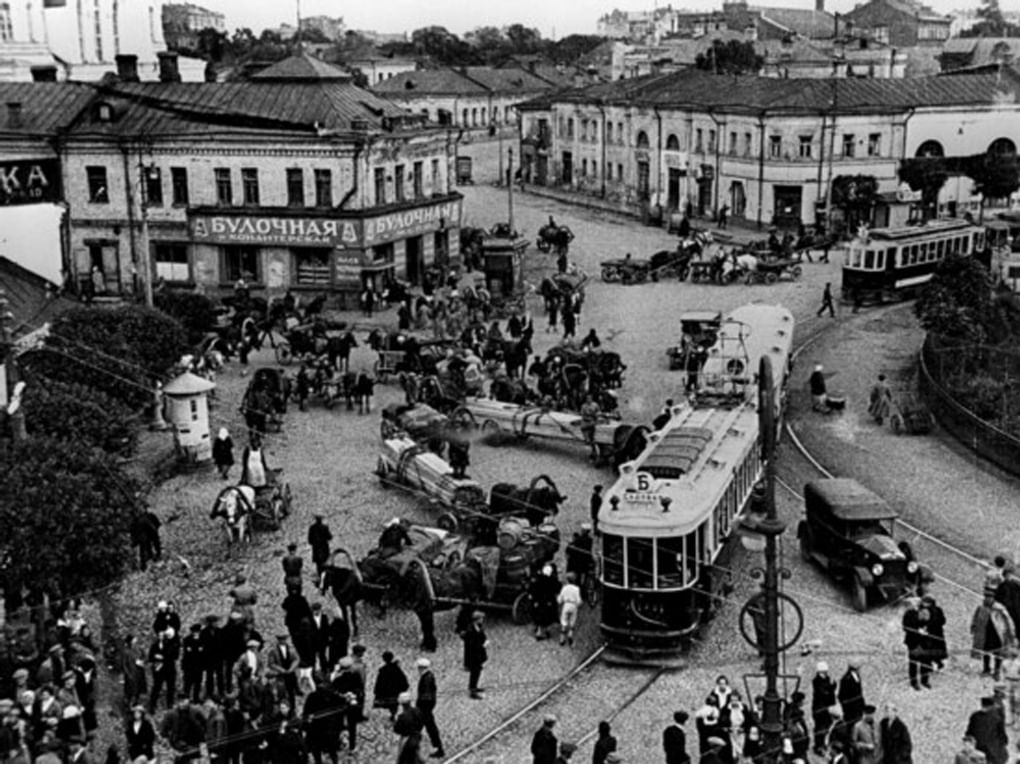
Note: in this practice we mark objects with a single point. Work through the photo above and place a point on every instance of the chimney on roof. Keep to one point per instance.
(127, 67)
(820, 6)
(46, 73)
(168, 71)
(14, 115)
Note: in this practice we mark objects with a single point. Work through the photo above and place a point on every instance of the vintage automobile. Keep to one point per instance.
(849, 531)
(698, 329)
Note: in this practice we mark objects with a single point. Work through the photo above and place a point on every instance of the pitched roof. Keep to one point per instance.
(506, 80)
(803, 21)
(744, 94)
(444, 81)
(908, 7)
(307, 106)
(45, 106)
(30, 297)
(301, 67)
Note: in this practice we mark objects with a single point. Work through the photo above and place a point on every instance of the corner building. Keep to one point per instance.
(295, 180)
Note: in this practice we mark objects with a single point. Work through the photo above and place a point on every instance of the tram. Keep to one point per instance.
(666, 526)
(893, 263)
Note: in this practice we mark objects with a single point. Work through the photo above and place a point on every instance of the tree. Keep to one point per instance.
(195, 312)
(212, 44)
(573, 47)
(993, 23)
(77, 412)
(121, 351)
(926, 175)
(995, 176)
(444, 46)
(733, 57)
(523, 39)
(65, 516)
(856, 196)
(957, 301)
(358, 77)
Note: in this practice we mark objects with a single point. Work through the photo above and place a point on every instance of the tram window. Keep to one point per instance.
(703, 547)
(965, 242)
(612, 559)
(669, 554)
(639, 563)
(879, 259)
(913, 253)
(853, 257)
(942, 248)
(692, 553)
(869, 259)
(979, 240)
(956, 245)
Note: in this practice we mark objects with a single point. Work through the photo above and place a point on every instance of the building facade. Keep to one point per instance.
(182, 23)
(297, 180)
(769, 149)
(80, 40)
(900, 23)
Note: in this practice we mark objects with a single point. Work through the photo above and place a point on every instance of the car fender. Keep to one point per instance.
(864, 575)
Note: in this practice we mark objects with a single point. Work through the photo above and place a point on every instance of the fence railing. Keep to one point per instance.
(988, 441)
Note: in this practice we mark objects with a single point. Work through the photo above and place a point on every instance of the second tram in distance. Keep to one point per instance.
(666, 526)
(892, 263)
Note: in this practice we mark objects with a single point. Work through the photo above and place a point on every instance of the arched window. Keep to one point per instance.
(930, 149)
(642, 139)
(495, 115)
(1002, 147)
(672, 143)
(464, 117)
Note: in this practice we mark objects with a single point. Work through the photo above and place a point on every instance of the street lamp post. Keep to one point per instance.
(762, 531)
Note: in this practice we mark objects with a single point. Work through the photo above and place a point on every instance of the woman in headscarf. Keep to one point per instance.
(253, 464)
(223, 452)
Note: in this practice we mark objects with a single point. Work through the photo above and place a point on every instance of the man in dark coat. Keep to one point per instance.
(212, 656)
(851, 694)
(292, 567)
(163, 660)
(390, 681)
(338, 639)
(297, 609)
(544, 743)
(918, 642)
(823, 697)
(897, 747)
(426, 705)
(989, 731)
(1008, 593)
(674, 740)
(320, 636)
(475, 652)
(319, 536)
(233, 638)
(192, 662)
(322, 708)
(348, 683)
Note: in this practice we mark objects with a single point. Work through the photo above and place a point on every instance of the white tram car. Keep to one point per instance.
(666, 525)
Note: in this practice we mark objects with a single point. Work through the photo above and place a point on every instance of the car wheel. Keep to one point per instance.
(520, 612)
(860, 595)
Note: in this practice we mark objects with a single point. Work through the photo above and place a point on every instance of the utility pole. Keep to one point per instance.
(832, 151)
(143, 198)
(510, 186)
(17, 416)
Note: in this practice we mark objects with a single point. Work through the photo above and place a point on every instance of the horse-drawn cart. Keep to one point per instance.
(246, 510)
(770, 270)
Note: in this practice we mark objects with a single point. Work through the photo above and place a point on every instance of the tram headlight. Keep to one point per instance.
(912, 566)
(877, 570)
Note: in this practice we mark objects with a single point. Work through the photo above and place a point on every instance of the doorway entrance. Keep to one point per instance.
(568, 168)
(414, 264)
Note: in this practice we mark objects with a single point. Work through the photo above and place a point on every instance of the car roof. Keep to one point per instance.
(701, 315)
(847, 499)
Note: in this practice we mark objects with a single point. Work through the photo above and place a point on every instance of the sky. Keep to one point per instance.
(553, 18)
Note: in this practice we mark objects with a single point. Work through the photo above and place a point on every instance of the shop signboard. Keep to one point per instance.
(411, 222)
(275, 230)
(28, 181)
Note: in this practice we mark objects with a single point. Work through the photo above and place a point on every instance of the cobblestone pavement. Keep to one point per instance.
(328, 457)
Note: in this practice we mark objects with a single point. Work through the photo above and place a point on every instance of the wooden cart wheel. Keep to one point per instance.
(640, 276)
(897, 424)
(771, 277)
(795, 271)
(491, 430)
(860, 595)
(520, 612)
(284, 354)
(276, 511)
(447, 521)
(452, 560)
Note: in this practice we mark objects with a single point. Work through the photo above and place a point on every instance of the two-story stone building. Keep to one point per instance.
(767, 148)
(295, 180)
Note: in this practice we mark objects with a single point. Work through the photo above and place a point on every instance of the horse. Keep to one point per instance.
(515, 355)
(235, 504)
(343, 580)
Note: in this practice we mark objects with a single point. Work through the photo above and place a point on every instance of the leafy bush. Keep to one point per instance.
(196, 312)
(65, 515)
(957, 301)
(73, 411)
(120, 351)
(981, 394)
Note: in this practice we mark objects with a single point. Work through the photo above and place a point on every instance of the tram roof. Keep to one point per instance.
(677, 451)
(910, 231)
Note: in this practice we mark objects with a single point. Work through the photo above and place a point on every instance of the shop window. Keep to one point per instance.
(179, 185)
(417, 173)
(380, 185)
(153, 186)
(241, 262)
(224, 187)
(323, 188)
(311, 267)
(250, 186)
(171, 260)
(99, 192)
(295, 187)
(398, 183)
(383, 253)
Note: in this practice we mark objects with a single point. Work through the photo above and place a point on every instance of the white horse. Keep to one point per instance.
(235, 505)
